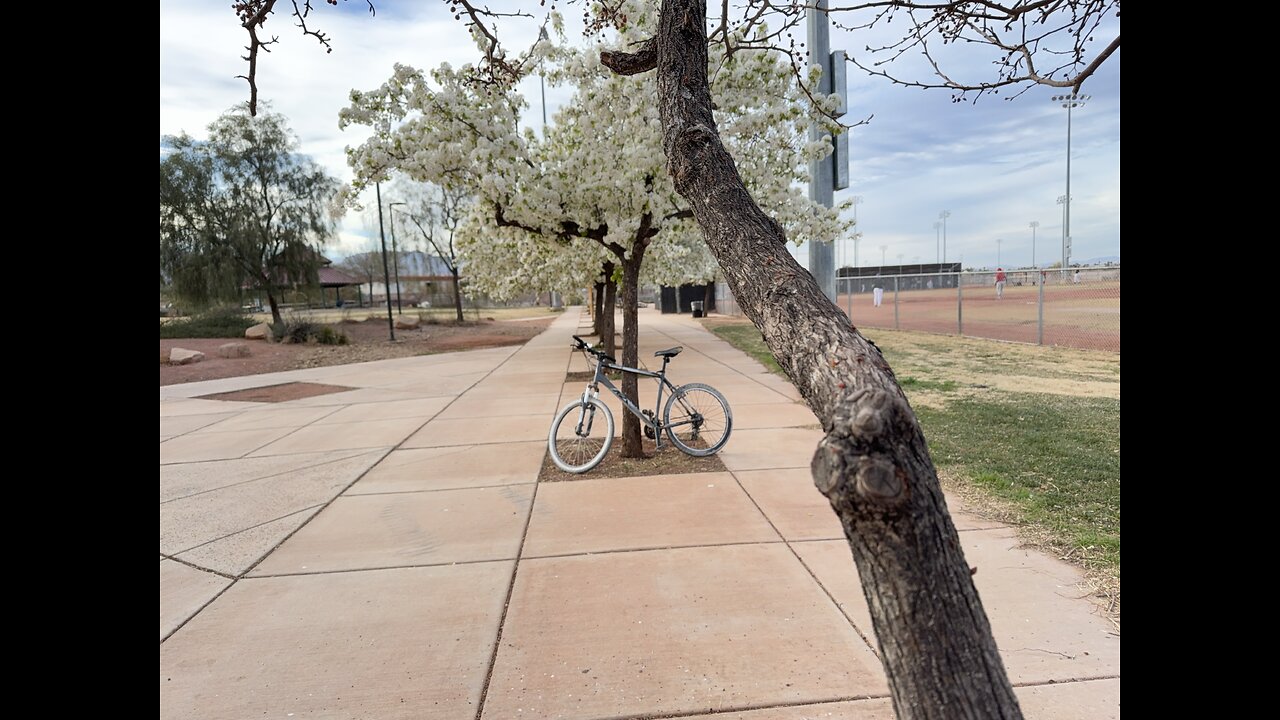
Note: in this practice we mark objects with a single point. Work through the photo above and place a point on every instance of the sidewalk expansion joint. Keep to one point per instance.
(378, 568)
(865, 639)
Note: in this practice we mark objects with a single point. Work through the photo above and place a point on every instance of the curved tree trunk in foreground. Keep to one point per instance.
(873, 464)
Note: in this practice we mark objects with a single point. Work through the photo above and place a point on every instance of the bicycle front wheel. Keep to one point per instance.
(697, 419)
(580, 436)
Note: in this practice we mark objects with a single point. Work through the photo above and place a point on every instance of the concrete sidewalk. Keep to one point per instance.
(386, 552)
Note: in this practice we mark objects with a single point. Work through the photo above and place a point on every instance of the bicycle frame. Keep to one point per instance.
(593, 389)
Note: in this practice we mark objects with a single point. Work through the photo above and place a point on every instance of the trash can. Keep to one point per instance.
(696, 306)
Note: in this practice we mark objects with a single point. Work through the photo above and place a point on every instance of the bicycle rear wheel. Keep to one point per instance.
(698, 419)
(578, 440)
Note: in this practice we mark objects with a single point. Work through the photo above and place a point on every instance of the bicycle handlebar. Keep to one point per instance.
(580, 344)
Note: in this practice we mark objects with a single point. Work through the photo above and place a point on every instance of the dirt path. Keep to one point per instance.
(368, 342)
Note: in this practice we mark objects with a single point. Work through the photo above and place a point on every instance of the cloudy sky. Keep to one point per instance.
(995, 165)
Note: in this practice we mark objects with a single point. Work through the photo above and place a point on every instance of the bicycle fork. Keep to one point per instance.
(587, 413)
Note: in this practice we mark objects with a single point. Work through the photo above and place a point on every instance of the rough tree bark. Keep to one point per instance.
(873, 464)
(631, 446)
(275, 306)
(608, 328)
(457, 293)
(599, 308)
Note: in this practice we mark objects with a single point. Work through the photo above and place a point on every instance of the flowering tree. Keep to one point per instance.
(596, 177)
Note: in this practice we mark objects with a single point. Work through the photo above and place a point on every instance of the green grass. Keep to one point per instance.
(227, 323)
(1055, 458)
(913, 383)
(747, 339)
(1051, 462)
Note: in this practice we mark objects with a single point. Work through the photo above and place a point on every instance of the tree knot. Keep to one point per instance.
(873, 411)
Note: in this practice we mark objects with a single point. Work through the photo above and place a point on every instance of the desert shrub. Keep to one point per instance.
(226, 322)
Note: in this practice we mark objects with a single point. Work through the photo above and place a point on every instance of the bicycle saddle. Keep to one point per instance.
(669, 352)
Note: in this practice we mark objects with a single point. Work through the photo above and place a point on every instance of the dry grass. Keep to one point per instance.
(1023, 434)
(667, 461)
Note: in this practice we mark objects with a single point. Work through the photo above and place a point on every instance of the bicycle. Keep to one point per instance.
(696, 418)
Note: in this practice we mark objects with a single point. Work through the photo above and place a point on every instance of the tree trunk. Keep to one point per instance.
(873, 465)
(457, 294)
(608, 330)
(631, 447)
(275, 306)
(599, 308)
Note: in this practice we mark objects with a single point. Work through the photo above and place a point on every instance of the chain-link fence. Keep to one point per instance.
(1079, 307)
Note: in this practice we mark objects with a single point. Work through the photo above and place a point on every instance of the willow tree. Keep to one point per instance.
(242, 209)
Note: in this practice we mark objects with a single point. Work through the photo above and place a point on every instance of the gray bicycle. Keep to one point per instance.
(696, 418)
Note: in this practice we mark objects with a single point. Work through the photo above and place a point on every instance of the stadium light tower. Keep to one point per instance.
(937, 241)
(883, 250)
(1069, 102)
(1062, 200)
(856, 200)
(998, 243)
(943, 217)
(1034, 224)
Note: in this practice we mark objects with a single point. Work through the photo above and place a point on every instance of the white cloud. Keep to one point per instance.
(996, 165)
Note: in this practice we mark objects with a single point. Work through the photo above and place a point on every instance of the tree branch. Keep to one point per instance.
(625, 63)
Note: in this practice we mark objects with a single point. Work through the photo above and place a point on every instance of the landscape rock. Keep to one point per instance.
(233, 350)
(182, 356)
(261, 331)
(407, 322)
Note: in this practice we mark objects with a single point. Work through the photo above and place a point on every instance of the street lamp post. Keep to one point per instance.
(395, 253)
(1069, 102)
(943, 217)
(542, 83)
(386, 271)
(542, 80)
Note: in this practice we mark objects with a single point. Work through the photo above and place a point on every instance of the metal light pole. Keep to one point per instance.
(386, 271)
(856, 200)
(937, 241)
(395, 252)
(1062, 200)
(998, 242)
(821, 181)
(1034, 224)
(883, 250)
(542, 82)
(943, 217)
(1069, 102)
